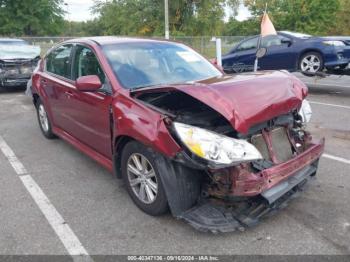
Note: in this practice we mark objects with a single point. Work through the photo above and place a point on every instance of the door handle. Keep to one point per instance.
(43, 82)
(69, 94)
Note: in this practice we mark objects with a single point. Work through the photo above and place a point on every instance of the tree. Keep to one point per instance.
(247, 27)
(31, 17)
(308, 16)
(146, 17)
(342, 19)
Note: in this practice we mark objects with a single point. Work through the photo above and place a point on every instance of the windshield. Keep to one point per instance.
(13, 42)
(144, 64)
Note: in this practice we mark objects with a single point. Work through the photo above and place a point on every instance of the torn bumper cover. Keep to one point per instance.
(270, 190)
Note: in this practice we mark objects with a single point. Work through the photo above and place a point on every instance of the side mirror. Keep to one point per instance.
(286, 41)
(261, 52)
(88, 83)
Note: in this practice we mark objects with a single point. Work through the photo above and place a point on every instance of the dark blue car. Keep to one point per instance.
(290, 51)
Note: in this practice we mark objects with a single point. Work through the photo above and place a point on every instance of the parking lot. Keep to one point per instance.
(100, 218)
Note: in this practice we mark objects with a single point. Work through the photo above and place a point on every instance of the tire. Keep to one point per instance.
(43, 120)
(141, 176)
(311, 62)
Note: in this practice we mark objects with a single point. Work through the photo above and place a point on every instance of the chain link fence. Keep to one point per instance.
(202, 44)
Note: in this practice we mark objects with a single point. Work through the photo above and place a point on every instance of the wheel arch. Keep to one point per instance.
(36, 97)
(119, 144)
(182, 184)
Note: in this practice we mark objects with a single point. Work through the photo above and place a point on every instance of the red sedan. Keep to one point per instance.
(219, 151)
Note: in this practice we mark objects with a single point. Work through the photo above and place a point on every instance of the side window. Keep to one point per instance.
(249, 44)
(273, 40)
(58, 61)
(86, 63)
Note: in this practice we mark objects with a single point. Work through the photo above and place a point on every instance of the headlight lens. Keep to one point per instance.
(215, 147)
(305, 111)
(334, 43)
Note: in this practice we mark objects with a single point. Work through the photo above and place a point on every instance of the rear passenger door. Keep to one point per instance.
(56, 81)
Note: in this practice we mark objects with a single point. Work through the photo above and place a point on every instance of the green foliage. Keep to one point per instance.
(31, 17)
(186, 17)
(315, 17)
(342, 20)
(146, 17)
(250, 26)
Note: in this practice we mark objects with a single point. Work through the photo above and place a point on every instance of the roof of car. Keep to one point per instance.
(105, 40)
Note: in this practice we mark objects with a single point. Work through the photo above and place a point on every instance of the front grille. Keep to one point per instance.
(281, 145)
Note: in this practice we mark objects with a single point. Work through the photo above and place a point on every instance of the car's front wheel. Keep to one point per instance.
(311, 62)
(141, 176)
(44, 121)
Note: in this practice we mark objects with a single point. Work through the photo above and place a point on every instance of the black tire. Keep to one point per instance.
(46, 130)
(317, 55)
(159, 205)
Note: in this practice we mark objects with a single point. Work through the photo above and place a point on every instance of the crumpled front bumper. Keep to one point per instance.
(251, 184)
(270, 190)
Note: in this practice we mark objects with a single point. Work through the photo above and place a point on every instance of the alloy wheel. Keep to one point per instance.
(310, 63)
(44, 122)
(142, 178)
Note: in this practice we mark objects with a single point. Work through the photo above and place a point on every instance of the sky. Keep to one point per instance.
(79, 10)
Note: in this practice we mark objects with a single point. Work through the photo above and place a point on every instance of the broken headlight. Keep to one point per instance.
(215, 147)
(305, 111)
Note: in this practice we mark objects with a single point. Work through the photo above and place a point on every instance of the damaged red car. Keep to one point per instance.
(220, 152)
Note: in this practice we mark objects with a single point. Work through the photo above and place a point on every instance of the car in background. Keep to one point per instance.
(18, 59)
(220, 151)
(290, 51)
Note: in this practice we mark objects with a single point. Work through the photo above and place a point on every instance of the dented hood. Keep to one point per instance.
(18, 52)
(249, 99)
(246, 99)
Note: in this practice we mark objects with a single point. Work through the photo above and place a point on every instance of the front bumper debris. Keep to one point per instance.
(266, 192)
(215, 216)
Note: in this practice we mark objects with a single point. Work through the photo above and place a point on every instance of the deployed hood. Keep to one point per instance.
(247, 99)
(8, 52)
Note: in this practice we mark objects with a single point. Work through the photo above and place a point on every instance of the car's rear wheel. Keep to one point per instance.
(311, 62)
(44, 121)
(142, 179)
